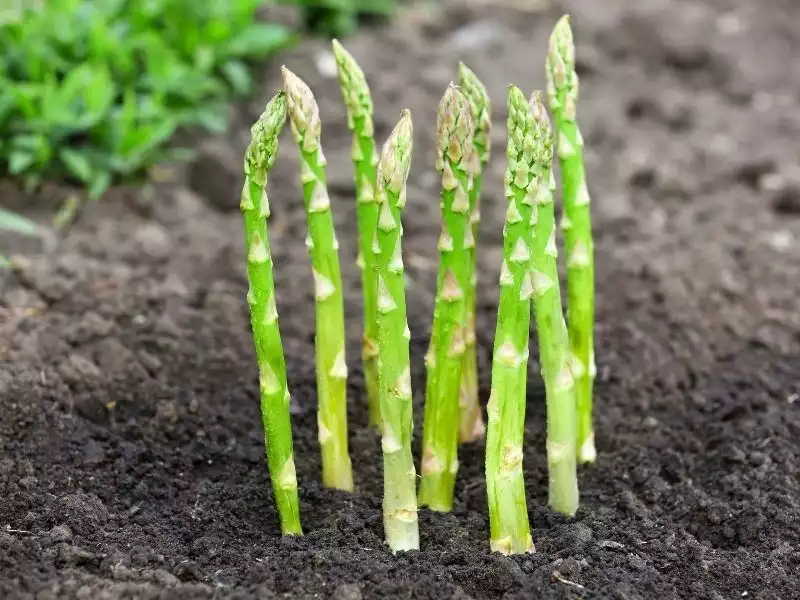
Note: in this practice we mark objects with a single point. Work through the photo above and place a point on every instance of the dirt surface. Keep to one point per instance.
(131, 452)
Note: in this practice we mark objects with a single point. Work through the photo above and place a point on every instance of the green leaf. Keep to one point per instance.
(259, 39)
(77, 164)
(100, 183)
(19, 161)
(237, 75)
(11, 221)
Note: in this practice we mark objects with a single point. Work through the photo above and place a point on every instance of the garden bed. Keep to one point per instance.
(131, 449)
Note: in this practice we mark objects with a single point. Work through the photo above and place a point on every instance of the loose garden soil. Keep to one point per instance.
(131, 449)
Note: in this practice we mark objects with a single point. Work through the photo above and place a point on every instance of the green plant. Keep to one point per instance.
(324, 250)
(528, 283)
(471, 420)
(340, 17)
(92, 90)
(577, 227)
(358, 100)
(259, 158)
(454, 155)
(399, 498)
(552, 334)
(505, 486)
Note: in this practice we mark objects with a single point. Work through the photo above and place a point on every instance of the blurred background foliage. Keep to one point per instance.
(91, 91)
(341, 17)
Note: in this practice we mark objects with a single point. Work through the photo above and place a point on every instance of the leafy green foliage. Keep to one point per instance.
(92, 90)
(340, 17)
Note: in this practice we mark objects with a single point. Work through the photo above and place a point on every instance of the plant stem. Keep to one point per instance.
(552, 333)
(399, 497)
(358, 100)
(455, 132)
(505, 485)
(471, 425)
(260, 157)
(324, 251)
(577, 227)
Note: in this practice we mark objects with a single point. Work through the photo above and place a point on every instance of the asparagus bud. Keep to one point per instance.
(358, 101)
(399, 475)
(259, 158)
(471, 419)
(552, 332)
(508, 513)
(324, 250)
(446, 355)
(577, 227)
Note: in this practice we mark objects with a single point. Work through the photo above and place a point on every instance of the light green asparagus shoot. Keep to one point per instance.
(324, 250)
(260, 157)
(527, 153)
(553, 337)
(358, 100)
(577, 227)
(455, 132)
(471, 419)
(399, 475)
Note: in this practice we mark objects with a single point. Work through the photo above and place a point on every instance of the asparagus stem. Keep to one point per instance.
(505, 485)
(260, 157)
(577, 228)
(399, 497)
(471, 420)
(446, 355)
(553, 338)
(358, 100)
(323, 249)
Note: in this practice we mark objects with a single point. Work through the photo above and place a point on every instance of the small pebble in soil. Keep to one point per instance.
(60, 533)
(84, 513)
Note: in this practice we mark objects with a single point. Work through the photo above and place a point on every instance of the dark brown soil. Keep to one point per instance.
(131, 452)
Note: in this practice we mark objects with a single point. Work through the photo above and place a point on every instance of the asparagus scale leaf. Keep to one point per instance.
(552, 334)
(471, 421)
(358, 101)
(455, 132)
(399, 498)
(577, 227)
(527, 152)
(259, 158)
(324, 251)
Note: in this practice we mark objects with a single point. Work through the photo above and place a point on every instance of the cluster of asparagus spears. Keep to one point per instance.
(528, 283)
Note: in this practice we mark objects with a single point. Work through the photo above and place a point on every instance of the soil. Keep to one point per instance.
(131, 452)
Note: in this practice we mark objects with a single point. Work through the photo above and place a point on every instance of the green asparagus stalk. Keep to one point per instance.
(471, 420)
(260, 157)
(324, 250)
(455, 132)
(399, 498)
(553, 337)
(358, 100)
(577, 228)
(508, 513)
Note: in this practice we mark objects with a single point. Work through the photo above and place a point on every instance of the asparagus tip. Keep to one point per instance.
(303, 111)
(562, 43)
(455, 128)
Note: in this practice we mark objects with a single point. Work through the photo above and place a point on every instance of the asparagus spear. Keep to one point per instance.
(577, 227)
(358, 100)
(323, 248)
(455, 132)
(399, 498)
(508, 513)
(552, 333)
(471, 421)
(259, 158)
